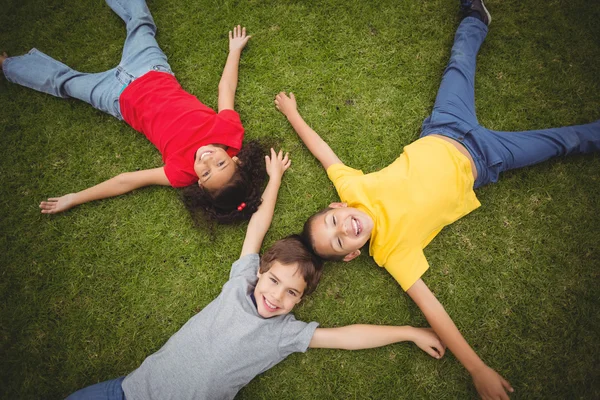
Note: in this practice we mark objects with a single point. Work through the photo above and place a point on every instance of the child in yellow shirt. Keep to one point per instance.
(401, 208)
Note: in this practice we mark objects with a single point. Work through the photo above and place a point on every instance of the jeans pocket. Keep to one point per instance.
(123, 76)
(162, 68)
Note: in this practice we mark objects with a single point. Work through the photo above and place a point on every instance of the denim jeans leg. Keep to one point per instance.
(454, 108)
(141, 52)
(41, 72)
(107, 390)
(521, 149)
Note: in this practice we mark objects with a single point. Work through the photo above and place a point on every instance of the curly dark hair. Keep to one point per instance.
(245, 186)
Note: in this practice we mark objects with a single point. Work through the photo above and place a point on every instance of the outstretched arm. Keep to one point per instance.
(317, 146)
(120, 184)
(489, 384)
(260, 221)
(229, 79)
(356, 337)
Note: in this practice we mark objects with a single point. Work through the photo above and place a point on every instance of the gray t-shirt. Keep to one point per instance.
(222, 348)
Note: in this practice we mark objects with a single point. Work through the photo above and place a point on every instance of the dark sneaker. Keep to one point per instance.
(469, 7)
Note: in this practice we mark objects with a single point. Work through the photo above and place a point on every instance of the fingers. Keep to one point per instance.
(503, 395)
(48, 207)
(506, 385)
(281, 98)
(238, 32)
(286, 162)
(440, 348)
(432, 352)
(282, 159)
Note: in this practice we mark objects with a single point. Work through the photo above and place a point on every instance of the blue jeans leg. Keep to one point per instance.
(493, 152)
(141, 54)
(107, 390)
(503, 151)
(454, 108)
(38, 71)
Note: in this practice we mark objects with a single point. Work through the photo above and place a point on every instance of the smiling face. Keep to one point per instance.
(340, 232)
(279, 289)
(214, 167)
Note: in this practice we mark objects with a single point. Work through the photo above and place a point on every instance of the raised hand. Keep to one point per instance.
(277, 164)
(429, 342)
(285, 103)
(490, 385)
(238, 38)
(56, 205)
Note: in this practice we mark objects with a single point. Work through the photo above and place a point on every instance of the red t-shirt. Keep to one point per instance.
(177, 123)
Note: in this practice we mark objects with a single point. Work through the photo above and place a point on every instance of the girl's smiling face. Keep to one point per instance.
(214, 166)
(278, 290)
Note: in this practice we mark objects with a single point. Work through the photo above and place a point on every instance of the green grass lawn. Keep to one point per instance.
(85, 296)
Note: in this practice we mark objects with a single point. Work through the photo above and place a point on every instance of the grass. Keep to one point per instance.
(87, 295)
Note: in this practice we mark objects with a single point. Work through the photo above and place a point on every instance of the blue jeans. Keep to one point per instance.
(107, 390)
(141, 54)
(493, 152)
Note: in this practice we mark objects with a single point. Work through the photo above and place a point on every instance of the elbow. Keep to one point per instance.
(225, 87)
(123, 178)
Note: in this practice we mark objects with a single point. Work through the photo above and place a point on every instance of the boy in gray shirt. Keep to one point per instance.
(248, 328)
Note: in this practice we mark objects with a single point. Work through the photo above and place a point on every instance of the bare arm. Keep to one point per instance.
(317, 146)
(356, 337)
(260, 221)
(229, 79)
(488, 382)
(120, 184)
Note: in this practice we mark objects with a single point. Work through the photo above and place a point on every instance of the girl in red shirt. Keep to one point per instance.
(201, 149)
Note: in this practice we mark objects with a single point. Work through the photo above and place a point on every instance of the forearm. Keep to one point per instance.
(445, 328)
(357, 337)
(110, 188)
(315, 144)
(261, 220)
(229, 78)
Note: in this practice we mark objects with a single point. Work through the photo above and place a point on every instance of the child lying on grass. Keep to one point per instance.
(202, 150)
(401, 208)
(247, 329)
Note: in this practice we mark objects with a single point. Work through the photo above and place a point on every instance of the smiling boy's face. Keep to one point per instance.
(279, 289)
(341, 231)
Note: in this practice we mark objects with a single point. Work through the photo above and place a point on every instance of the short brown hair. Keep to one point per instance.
(292, 250)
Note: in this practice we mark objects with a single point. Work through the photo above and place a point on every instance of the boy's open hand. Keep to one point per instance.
(277, 164)
(429, 342)
(56, 205)
(238, 38)
(490, 385)
(286, 104)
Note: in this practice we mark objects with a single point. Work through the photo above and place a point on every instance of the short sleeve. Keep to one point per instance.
(407, 267)
(245, 266)
(342, 176)
(295, 335)
(178, 178)
(230, 130)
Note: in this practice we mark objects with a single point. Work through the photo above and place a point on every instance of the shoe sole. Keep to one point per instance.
(489, 16)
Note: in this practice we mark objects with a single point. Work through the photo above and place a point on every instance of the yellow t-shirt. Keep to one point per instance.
(428, 187)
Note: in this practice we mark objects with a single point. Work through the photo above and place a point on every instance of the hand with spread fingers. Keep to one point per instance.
(277, 163)
(238, 38)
